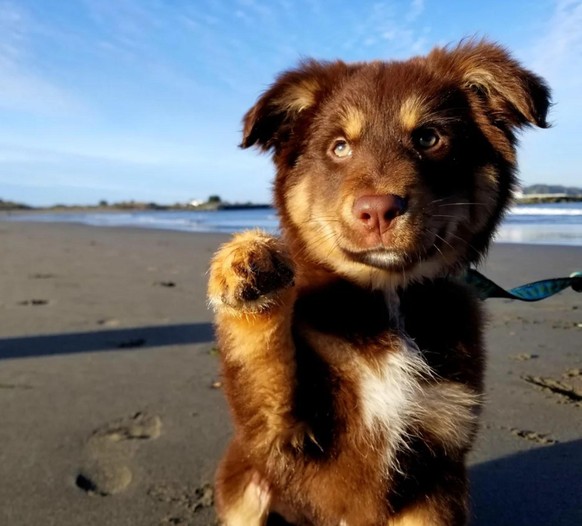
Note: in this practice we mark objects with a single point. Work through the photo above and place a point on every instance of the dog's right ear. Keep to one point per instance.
(270, 122)
(510, 94)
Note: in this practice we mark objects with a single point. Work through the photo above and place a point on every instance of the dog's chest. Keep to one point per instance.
(353, 348)
(390, 387)
(346, 312)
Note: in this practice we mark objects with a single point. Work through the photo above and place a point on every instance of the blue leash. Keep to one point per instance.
(536, 291)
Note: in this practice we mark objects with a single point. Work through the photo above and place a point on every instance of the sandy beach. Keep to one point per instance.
(110, 402)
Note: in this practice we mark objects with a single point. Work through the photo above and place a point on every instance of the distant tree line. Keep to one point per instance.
(214, 202)
(11, 205)
(551, 189)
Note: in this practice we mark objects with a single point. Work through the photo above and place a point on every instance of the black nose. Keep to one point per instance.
(376, 212)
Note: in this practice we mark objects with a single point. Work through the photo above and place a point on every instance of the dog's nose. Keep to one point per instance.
(376, 212)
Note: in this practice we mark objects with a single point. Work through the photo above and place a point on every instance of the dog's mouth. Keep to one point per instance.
(383, 258)
(397, 259)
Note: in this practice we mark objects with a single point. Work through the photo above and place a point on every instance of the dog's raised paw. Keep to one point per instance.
(249, 273)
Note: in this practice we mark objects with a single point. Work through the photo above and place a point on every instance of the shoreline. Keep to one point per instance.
(108, 328)
(210, 232)
(512, 232)
(214, 206)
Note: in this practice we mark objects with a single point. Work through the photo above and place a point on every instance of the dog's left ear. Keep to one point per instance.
(512, 95)
(292, 98)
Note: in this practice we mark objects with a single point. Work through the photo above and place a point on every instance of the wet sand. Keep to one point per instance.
(111, 413)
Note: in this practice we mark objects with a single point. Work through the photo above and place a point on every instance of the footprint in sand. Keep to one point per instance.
(108, 322)
(41, 275)
(184, 501)
(35, 302)
(167, 284)
(533, 436)
(105, 469)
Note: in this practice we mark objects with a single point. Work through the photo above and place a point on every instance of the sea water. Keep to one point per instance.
(557, 224)
(551, 224)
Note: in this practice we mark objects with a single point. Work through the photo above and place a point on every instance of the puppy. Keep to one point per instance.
(351, 351)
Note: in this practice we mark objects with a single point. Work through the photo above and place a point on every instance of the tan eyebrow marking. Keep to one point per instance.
(410, 112)
(352, 121)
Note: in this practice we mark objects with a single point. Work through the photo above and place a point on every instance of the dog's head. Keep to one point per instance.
(391, 171)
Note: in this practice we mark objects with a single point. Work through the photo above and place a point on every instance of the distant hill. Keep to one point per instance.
(214, 203)
(551, 189)
(10, 205)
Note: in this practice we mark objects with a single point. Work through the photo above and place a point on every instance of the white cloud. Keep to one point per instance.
(559, 51)
(12, 33)
(416, 9)
(554, 155)
(392, 28)
(24, 89)
(259, 9)
(168, 174)
(117, 151)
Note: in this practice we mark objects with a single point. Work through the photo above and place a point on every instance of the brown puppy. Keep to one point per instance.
(352, 356)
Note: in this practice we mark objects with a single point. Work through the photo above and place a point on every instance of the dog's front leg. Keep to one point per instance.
(242, 497)
(251, 289)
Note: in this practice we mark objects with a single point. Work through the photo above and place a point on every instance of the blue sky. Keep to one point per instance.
(142, 99)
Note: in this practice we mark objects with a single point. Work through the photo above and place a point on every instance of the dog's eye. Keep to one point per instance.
(426, 138)
(342, 149)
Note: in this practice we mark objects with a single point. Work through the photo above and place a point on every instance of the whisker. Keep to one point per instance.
(435, 201)
(439, 250)
(444, 241)
(466, 243)
(462, 204)
(320, 239)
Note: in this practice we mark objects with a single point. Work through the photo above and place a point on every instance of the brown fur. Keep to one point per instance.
(352, 358)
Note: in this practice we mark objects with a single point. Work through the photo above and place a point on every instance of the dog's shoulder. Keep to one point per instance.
(343, 310)
(445, 319)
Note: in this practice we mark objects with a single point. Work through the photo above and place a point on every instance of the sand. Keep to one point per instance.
(110, 402)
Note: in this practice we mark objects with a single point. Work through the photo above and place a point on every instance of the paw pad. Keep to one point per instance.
(249, 273)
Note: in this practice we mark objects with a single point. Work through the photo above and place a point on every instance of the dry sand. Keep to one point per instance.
(111, 414)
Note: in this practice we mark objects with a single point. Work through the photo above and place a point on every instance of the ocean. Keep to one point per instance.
(555, 224)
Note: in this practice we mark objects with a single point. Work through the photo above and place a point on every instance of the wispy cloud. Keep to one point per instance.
(125, 20)
(556, 54)
(111, 88)
(24, 88)
(24, 91)
(391, 27)
(262, 10)
(559, 51)
(415, 10)
(170, 174)
(12, 22)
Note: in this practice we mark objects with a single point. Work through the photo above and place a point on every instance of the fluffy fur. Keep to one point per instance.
(352, 358)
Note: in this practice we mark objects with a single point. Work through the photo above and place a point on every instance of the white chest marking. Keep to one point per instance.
(390, 394)
(400, 396)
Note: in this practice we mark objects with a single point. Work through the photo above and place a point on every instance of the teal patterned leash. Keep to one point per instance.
(535, 291)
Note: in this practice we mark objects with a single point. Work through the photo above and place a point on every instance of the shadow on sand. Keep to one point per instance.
(540, 487)
(106, 340)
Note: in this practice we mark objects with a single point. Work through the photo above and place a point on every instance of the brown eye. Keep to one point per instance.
(425, 139)
(342, 149)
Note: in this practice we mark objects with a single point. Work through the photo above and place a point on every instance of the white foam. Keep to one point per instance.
(545, 211)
